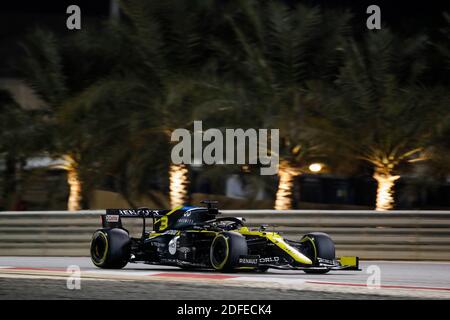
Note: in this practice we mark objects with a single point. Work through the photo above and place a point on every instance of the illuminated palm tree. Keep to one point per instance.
(13, 138)
(440, 151)
(378, 110)
(158, 86)
(42, 67)
(277, 50)
(51, 66)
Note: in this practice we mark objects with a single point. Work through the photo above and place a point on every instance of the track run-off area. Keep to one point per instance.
(378, 279)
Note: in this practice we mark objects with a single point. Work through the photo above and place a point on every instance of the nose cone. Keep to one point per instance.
(299, 257)
(294, 253)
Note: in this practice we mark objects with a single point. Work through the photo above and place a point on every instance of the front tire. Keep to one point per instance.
(226, 248)
(320, 245)
(110, 248)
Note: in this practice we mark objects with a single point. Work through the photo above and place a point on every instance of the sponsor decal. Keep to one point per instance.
(248, 261)
(135, 212)
(173, 245)
(112, 218)
(187, 221)
(326, 261)
(128, 212)
(171, 232)
(269, 260)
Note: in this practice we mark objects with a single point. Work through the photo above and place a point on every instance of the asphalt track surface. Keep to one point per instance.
(47, 278)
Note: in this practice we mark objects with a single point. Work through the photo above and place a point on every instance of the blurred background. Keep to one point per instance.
(86, 115)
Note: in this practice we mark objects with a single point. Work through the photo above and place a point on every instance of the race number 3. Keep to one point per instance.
(163, 223)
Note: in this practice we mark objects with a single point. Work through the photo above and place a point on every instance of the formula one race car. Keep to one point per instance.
(194, 237)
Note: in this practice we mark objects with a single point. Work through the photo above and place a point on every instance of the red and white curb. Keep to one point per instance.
(232, 280)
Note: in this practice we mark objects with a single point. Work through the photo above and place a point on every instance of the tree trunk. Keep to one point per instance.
(385, 189)
(9, 182)
(74, 202)
(286, 174)
(178, 179)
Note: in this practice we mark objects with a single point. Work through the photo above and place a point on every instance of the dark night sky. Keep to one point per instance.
(17, 17)
(415, 14)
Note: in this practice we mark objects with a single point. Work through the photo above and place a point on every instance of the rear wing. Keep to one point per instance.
(113, 217)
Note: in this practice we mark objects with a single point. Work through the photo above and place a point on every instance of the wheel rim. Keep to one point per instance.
(219, 252)
(99, 248)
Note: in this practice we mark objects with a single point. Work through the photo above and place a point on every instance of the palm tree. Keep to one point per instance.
(440, 155)
(18, 125)
(160, 84)
(277, 50)
(10, 117)
(378, 110)
(444, 48)
(61, 70)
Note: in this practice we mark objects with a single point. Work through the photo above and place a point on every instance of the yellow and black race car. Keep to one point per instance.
(196, 238)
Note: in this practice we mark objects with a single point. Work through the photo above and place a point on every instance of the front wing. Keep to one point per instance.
(348, 263)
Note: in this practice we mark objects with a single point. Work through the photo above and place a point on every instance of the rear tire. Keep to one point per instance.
(226, 248)
(110, 248)
(323, 247)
